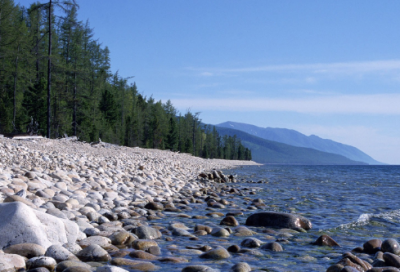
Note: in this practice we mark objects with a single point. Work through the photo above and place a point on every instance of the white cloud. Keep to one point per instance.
(206, 74)
(342, 104)
(361, 67)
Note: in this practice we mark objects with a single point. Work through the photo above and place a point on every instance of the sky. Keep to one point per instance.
(328, 68)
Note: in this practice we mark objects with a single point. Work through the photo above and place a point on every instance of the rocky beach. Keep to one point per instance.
(71, 206)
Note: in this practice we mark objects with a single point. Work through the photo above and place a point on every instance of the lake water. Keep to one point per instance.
(352, 204)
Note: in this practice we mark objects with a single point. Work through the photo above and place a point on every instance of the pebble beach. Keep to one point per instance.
(70, 206)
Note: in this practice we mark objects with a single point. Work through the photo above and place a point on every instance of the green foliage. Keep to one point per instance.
(108, 107)
(40, 52)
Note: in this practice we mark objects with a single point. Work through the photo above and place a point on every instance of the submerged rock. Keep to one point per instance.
(325, 240)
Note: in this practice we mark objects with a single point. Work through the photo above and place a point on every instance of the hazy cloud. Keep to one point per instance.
(342, 104)
(370, 140)
(317, 68)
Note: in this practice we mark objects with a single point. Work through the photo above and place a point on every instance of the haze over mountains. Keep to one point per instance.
(290, 146)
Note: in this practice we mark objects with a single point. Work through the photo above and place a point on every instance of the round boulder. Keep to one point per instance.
(93, 253)
(218, 253)
(274, 246)
(372, 246)
(229, 221)
(390, 245)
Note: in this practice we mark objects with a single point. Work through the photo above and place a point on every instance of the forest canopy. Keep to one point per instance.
(53, 73)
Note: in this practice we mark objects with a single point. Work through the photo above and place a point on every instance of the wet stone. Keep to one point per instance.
(69, 264)
(220, 232)
(155, 206)
(241, 267)
(229, 221)
(93, 253)
(251, 242)
(143, 244)
(174, 260)
(139, 254)
(198, 268)
(274, 246)
(372, 246)
(218, 253)
(391, 245)
(234, 248)
(145, 232)
(325, 240)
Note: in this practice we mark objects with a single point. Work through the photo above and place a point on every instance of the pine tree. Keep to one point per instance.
(172, 137)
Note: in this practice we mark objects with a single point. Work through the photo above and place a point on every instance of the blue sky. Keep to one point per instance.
(329, 68)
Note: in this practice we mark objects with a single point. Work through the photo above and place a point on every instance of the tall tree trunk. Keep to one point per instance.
(49, 76)
(74, 115)
(15, 88)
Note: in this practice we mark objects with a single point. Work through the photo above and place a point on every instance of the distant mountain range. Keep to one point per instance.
(278, 145)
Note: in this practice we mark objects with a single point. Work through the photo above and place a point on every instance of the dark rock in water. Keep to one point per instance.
(155, 250)
(349, 269)
(274, 246)
(229, 221)
(155, 206)
(241, 267)
(391, 245)
(216, 254)
(384, 269)
(145, 232)
(372, 246)
(198, 268)
(234, 248)
(251, 242)
(350, 259)
(278, 220)
(39, 269)
(391, 259)
(325, 240)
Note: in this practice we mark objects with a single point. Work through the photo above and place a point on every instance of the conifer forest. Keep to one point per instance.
(55, 75)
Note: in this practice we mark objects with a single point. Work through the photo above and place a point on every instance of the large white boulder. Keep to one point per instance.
(22, 224)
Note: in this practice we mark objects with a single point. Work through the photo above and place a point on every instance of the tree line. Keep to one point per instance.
(55, 78)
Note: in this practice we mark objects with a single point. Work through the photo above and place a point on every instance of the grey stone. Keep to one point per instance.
(145, 232)
(60, 253)
(66, 264)
(241, 267)
(93, 253)
(11, 262)
(42, 261)
(28, 250)
(21, 224)
(274, 246)
(251, 242)
(390, 245)
(198, 268)
(217, 253)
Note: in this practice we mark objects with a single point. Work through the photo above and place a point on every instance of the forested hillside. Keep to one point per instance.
(54, 74)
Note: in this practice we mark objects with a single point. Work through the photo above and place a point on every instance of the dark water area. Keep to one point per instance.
(352, 204)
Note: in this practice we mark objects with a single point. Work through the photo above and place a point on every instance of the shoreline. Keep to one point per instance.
(96, 197)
